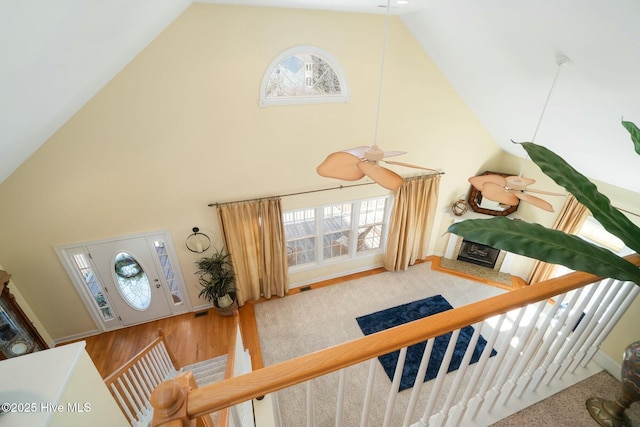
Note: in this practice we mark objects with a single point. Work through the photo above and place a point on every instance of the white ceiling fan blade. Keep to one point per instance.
(340, 165)
(548, 193)
(535, 201)
(393, 153)
(498, 193)
(357, 151)
(519, 182)
(479, 181)
(408, 165)
(383, 176)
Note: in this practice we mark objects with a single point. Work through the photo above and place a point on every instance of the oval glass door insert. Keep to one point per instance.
(133, 282)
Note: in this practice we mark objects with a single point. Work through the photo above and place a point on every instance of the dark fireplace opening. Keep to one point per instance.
(479, 254)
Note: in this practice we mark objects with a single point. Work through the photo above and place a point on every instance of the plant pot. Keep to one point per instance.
(611, 413)
(228, 310)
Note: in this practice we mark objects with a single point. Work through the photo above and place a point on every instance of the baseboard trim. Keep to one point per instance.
(341, 275)
(75, 337)
(614, 367)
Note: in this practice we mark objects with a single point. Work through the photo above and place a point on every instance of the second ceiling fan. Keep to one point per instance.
(355, 163)
(511, 189)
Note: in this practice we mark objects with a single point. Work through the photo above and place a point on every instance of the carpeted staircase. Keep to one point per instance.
(207, 372)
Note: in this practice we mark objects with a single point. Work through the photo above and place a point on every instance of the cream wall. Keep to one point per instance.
(180, 127)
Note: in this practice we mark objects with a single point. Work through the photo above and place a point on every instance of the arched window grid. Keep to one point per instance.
(286, 74)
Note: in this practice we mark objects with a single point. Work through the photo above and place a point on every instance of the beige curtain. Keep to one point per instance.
(254, 236)
(411, 222)
(570, 220)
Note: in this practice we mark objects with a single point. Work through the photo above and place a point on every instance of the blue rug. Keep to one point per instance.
(385, 319)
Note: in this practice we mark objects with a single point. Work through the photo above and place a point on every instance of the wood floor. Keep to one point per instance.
(191, 337)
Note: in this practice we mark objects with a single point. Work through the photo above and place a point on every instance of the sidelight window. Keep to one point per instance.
(93, 285)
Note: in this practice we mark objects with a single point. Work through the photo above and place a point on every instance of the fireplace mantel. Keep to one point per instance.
(455, 242)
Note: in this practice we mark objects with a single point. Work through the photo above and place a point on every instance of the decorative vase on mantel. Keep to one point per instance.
(612, 413)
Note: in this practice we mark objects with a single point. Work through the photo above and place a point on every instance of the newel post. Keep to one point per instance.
(169, 401)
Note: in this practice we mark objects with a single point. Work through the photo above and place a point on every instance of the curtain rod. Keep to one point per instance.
(340, 187)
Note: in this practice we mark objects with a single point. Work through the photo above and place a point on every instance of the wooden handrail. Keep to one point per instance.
(161, 338)
(271, 378)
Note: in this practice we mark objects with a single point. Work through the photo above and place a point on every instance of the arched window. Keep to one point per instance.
(303, 75)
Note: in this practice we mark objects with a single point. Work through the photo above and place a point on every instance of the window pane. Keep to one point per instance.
(303, 74)
(300, 233)
(92, 284)
(370, 222)
(336, 226)
(163, 256)
(133, 282)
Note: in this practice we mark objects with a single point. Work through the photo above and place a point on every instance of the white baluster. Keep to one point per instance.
(462, 370)
(135, 401)
(610, 290)
(572, 336)
(417, 386)
(437, 386)
(366, 405)
(535, 347)
(620, 304)
(555, 341)
(395, 385)
(507, 380)
(475, 378)
(122, 402)
(340, 403)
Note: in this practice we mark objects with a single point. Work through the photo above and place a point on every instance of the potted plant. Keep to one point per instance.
(217, 279)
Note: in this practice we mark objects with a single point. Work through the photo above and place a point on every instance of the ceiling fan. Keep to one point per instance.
(511, 189)
(355, 163)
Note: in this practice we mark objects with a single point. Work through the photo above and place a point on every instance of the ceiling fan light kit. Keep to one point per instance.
(510, 190)
(356, 163)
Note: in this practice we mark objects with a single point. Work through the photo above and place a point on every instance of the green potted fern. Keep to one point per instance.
(217, 280)
(557, 247)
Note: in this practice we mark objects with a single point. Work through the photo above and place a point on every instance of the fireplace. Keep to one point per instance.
(479, 254)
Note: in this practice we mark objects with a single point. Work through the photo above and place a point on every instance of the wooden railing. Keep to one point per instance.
(164, 396)
(555, 341)
(132, 384)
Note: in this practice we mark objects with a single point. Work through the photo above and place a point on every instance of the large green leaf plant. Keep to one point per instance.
(556, 247)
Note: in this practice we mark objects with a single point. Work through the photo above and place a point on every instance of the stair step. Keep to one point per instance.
(208, 371)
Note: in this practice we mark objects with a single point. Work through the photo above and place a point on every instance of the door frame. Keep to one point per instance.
(65, 253)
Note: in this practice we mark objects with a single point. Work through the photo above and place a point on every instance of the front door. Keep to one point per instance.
(129, 275)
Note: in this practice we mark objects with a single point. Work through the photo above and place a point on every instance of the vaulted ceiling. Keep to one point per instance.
(500, 55)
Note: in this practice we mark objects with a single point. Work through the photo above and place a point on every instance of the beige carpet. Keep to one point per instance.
(313, 320)
(568, 407)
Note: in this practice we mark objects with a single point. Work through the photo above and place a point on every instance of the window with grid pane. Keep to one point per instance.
(93, 286)
(303, 74)
(371, 216)
(300, 232)
(336, 228)
(335, 232)
(163, 257)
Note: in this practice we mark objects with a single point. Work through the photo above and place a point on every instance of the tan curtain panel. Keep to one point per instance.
(570, 220)
(411, 222)
(274, 278)
(254, 236)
